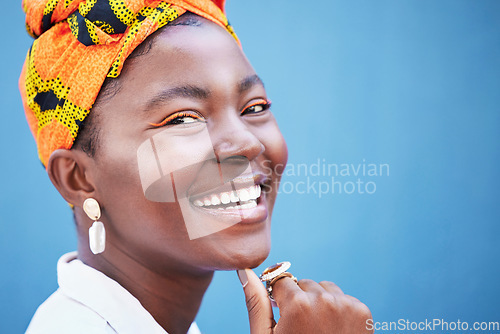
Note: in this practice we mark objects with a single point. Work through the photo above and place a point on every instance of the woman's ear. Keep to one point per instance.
(70, 173)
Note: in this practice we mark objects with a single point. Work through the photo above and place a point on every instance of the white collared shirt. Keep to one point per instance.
(89, 302)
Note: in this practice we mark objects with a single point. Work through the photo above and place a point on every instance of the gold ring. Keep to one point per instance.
(274, 273)
(277, 278)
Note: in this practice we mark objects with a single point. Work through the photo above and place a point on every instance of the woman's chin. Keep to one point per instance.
(253, 261)
(242, 259)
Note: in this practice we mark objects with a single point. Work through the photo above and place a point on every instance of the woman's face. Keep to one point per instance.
(188, 166)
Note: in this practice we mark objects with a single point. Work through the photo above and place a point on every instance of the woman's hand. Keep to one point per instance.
(306, 307)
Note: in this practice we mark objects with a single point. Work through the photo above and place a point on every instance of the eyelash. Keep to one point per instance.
(170, 119)
(266, 104)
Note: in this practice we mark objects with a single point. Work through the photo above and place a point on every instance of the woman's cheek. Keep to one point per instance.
(169, 160)
(276, 149)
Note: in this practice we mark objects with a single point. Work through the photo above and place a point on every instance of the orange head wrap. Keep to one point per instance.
(79, 43)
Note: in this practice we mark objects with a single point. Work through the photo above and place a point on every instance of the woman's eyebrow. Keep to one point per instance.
(249, 82)
(188, 91)
(196, 92)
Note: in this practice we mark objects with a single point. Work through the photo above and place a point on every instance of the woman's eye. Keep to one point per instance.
(179, 118)
(257, 107)
(183, 120)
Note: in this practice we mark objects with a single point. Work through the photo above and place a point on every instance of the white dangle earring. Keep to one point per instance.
(97, 233)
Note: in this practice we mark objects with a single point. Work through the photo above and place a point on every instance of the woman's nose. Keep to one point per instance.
(234, 138)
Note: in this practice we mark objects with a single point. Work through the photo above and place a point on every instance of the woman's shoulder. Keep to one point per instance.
(62, 314)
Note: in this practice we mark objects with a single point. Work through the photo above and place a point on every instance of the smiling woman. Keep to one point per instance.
(167, 175)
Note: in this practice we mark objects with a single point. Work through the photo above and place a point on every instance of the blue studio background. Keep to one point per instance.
(412, 85)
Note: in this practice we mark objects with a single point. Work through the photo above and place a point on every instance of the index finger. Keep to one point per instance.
(286, 290)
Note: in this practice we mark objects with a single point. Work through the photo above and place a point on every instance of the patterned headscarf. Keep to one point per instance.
(78, 44)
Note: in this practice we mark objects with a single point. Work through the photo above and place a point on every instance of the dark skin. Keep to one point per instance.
(148, 249)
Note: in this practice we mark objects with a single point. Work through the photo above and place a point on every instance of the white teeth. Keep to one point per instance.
(252, 192)
(244, 195)
(249, 205)
(224, 198)
(215, 200)
(234, 197)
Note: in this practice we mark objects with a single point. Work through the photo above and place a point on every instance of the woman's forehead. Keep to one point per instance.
(199, 63)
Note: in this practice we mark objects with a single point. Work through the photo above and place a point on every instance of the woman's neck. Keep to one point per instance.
(172, 296)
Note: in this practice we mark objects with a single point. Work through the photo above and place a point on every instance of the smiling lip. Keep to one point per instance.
(241, 198)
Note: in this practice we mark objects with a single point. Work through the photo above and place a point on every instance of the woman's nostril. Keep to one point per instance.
(247, 146)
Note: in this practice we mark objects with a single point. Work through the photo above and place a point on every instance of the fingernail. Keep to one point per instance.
(242, 275)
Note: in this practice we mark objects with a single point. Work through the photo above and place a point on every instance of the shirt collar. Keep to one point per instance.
(106, 297)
